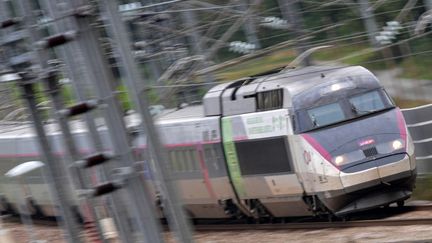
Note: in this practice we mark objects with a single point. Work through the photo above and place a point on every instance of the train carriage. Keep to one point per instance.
(317, 139)
(293, 143)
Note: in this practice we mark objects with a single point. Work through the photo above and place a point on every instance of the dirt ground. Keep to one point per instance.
(418, 233)
(415, 233)
(380, 234)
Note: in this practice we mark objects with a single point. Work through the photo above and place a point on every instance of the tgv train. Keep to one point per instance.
(293, 143)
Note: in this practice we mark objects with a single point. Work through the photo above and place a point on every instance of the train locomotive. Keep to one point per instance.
(299, 142)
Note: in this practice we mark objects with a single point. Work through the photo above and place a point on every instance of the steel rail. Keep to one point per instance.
(311, 224)
(282, 226)
(315, 225)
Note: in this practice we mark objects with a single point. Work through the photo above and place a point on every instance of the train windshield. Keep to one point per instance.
(342, 109)
(366, 103)
(326, 114)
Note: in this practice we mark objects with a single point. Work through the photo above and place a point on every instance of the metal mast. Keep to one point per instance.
(369, 21)
(125, 176)
(290, 11)
(28, 66)
(175, 214)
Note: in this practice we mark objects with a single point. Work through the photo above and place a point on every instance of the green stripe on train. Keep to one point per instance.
(231, 157)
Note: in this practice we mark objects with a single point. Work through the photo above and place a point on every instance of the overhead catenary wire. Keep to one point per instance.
(319, 26)
(378, 60)
(204, 84)
(202, 27)
(290, 75)
(337, 2)
(213, 68)
(185, 31)
(348, 37)
(175, 35)
(321, 70)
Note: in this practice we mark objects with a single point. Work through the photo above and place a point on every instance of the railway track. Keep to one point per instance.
(377, 217)
(315, 225)
(40, 222)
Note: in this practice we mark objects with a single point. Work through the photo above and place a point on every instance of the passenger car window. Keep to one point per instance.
(326, 114)
(366, 103)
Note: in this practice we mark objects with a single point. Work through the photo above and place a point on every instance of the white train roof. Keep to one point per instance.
(240, 96)
(25, 129)
(219, 100)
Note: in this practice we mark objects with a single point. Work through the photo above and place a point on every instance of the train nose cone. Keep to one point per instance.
(375, 171)
(367, 152)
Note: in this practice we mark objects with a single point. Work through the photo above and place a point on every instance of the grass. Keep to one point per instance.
(336, 52)
(403, 103)
(423, 189)
(341, 51)
(414, 67)
(285, 56)
(249, 68)
(417, 68)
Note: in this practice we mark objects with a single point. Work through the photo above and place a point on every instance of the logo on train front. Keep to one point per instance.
(366, 142)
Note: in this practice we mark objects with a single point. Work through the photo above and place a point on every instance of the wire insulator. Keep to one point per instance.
(105, 189)
(57, 40)
(9, 22)
(96, 159)
(79, 108)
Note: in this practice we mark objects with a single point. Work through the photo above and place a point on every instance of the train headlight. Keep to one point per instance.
(347, 158)
(397, 144)
(339, 160)
(390, 146)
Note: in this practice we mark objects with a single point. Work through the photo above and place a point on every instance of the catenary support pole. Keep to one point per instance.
(59, 181)
(78, 73)
(249, 27)
(145, 226)
(369, 21)
(62, 189)
(290, 10)
(53, 89)
(175, 214)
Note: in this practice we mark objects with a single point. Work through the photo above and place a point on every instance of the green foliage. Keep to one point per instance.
(122, 94)
(402, 103)
(418, 67)
(423, 189)
(67, 94)
(123, 97)
(152, 96)
(39, 90)
(249, 68)
(337, 51)
(315, 18)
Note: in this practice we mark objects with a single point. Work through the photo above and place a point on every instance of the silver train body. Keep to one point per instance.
(296, 143)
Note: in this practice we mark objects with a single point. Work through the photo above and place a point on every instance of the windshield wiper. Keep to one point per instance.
(357, 111)
(314, 122)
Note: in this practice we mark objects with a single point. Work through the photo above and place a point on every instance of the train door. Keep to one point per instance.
(196, 161)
